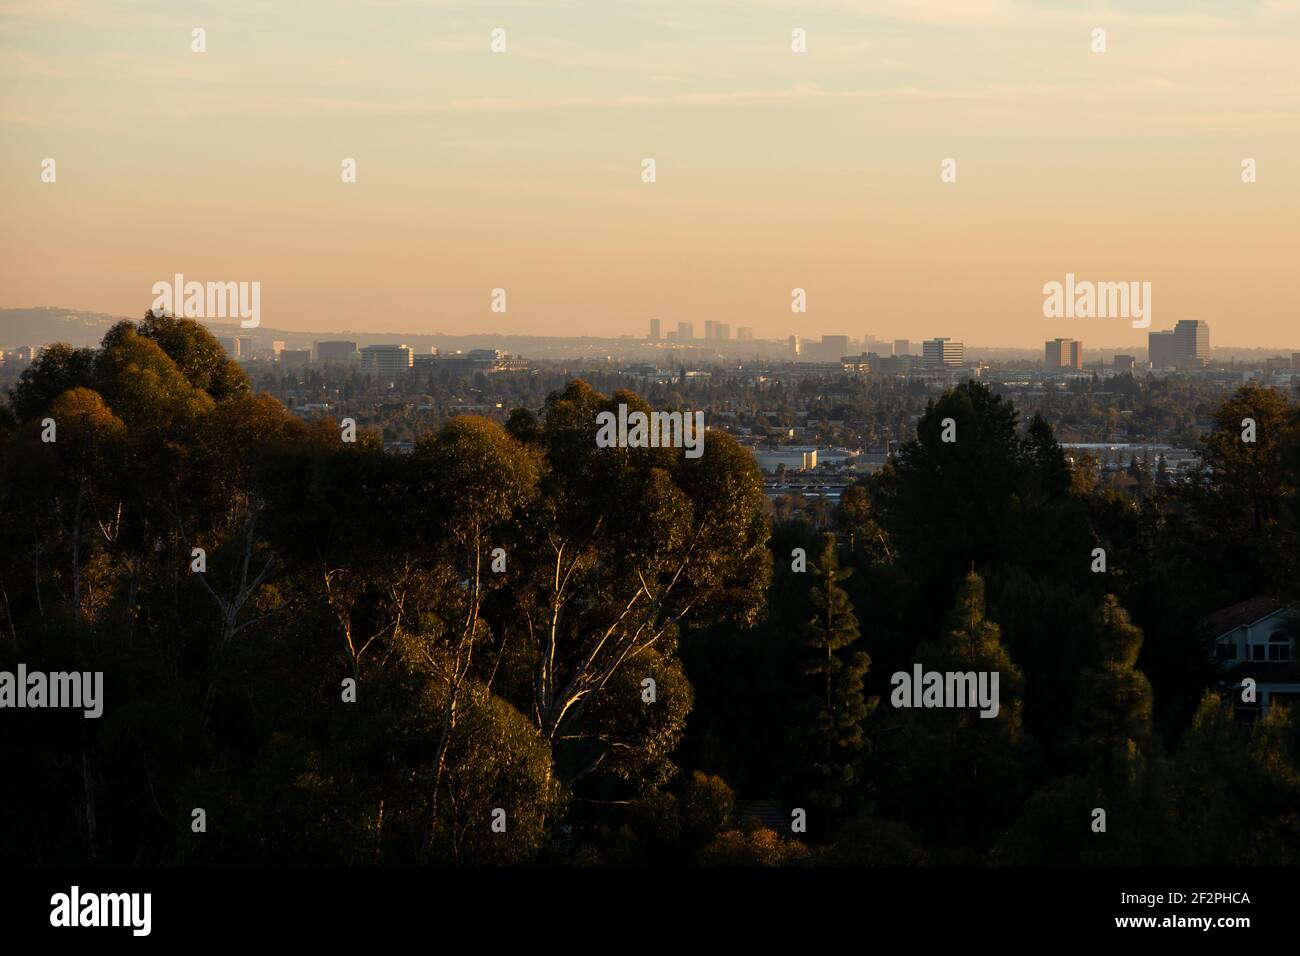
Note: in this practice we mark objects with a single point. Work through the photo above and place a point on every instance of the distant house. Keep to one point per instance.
(765, 813)
(1256, 639)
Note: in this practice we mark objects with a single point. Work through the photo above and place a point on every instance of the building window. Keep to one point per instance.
(1227, 651)
(1257, 652)
(1279, 648)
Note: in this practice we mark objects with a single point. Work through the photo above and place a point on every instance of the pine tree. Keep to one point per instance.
(1121, 771)
(974, 643)
(839, 707)
(1115, 699)
(962, 774)
(1119, 744)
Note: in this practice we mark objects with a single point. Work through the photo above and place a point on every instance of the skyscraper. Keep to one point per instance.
(902, 347)
(1191, 342)
(1064, 353)
(942, 353)
(1055, 352)
(710, 330)
(654, 330)
(685, 331)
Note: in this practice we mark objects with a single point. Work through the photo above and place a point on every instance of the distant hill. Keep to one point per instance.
(48, 324)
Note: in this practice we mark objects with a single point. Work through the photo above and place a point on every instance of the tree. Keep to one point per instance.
(856, 517)
(142, 384)
(989, 496)
(57, 369)
(839, 709)
(1233, 789)
(708, 807)
(479, 478)
(1241, 498)
(962, 774)
(197, 354)
(1115, 699)
(754, 846)
(1118, 760)
(625, 546)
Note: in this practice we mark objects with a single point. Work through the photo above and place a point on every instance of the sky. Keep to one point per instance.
(774, 170)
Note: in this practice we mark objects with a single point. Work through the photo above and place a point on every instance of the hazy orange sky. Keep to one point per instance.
(775, 169)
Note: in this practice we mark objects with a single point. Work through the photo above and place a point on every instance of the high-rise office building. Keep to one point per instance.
(654, 330)
(1125, 363)
(1162, 349)
(388, 361)
(1064, 353)
(1192, 342)
(942, 353)
(902, 347)
(744, 334)
(722, 331)
(796, 346)
(710, 330)
(685, 331)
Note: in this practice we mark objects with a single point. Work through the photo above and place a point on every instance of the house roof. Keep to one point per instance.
(1247, 612)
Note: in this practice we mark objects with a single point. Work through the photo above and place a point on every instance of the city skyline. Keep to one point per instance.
(775, 170)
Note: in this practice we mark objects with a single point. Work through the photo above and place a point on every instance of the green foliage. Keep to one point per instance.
(1234, 792)
(142, 384)
(962, 775)
(754, 847)
(57, 369)
(991, 497)
(866, 841)
(197, 354)
(1115, 699)
(835, 734)
(708, 807)
(523, 688)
